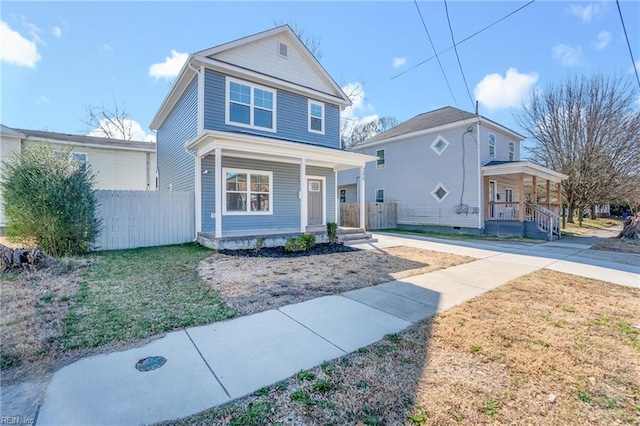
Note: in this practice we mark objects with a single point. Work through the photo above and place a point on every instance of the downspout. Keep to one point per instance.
(196, 162)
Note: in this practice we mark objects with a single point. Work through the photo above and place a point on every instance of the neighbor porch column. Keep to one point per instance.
(534, 182)
(362, 200)
(548, 194)
(521, 198)
(559, 189)
(303, 195)
(486, 198)
(218, 188)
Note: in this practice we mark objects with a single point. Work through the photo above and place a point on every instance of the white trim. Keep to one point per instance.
(323, 190)
(495, 145)
(218, 192)
(303, 195)
(375, 195)
(435, 142)
(512, 151)
(433, 192)
(362, 199)
(506, 190)
(200, 99)
(336, 206)
(322, 118)
(226, 170)
(198, 192)
(526, 167)
(252, 107)
(384, 158)
(480, 181)
(35, 139)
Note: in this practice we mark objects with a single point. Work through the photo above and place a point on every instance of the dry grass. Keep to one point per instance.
(548, 349)
(620, 245)
(251, 285)
(589, 225)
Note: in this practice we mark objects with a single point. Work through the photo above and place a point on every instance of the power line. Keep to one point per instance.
(633, 62)
(462, 41)
(464, 78)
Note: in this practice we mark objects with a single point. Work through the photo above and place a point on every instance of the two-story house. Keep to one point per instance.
(253, 127)
(454, 171)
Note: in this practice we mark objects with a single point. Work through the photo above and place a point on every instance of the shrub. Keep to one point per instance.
(302, 243)
(332, 232)
(50, 201)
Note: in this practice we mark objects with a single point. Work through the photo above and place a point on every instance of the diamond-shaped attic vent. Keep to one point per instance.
(440, 192)
(439, 145)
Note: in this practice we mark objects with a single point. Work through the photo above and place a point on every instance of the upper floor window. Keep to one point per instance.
(380, 159)
(249, 105)
(316, 117)
(439, 145)
(512, 151)
(492, 145)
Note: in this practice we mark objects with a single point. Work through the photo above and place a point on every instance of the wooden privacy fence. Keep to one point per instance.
(378, 215)
(133, 219)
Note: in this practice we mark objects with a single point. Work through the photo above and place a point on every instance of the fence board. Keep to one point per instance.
(132, 219)
(378, 215)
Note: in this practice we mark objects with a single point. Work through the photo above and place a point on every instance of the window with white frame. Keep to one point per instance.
(439, 145)
(380, 159)
(316, 117)
(249, 105)
(440, 192)
(379, 195)
(247, 192)
(81, 158)
(492, 145)
(512, 151)
(343, 195)
(508, 195)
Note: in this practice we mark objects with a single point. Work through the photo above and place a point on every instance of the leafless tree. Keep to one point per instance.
(589, 129)
(311, 42)
(354, 134)
(111, 123)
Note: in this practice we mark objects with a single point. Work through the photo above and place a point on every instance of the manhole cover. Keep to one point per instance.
(150, 363)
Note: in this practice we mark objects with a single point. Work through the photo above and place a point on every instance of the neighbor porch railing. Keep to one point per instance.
(502, 210)
(547, 220)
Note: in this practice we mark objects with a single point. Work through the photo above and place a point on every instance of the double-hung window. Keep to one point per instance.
(316, 117)
(248, 192)
(512, 151)
(379, 195)
(249, 105)
(380, 159)
(492, 145)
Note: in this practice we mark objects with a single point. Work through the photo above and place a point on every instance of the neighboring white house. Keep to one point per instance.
(117, 164)
(453, 171)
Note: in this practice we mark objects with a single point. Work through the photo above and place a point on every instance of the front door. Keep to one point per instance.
(314, 202)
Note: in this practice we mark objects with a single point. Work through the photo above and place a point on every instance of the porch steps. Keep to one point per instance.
(354, 236)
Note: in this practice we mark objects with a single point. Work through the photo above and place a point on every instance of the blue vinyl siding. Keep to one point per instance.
(175, 165)
(291, 115)
(286, 205)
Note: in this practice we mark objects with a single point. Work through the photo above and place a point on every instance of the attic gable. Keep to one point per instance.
(280, 54)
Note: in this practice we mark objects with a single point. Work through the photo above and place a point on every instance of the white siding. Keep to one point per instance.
(413, 170)
(262, 56)
(502, 146)
(8, 146)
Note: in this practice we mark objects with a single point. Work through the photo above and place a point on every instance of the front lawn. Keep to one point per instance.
(546, 348)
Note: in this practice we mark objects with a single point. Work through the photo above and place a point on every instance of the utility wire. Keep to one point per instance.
(453, 40)
(462, 41)
(633, 62)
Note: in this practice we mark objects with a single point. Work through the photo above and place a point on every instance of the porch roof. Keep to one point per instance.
(506, 168)
(263, 148)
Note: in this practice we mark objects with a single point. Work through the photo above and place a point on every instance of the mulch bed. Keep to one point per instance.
(276, 252)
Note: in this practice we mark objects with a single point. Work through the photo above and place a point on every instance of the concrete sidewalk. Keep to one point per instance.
(214, 364)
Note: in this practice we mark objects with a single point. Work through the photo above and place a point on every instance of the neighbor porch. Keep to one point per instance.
(522, 199)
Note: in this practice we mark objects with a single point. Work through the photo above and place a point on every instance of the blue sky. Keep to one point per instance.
(58, 58)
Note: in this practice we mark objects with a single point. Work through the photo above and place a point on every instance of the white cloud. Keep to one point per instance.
(399, 62)
(360, 111)
(170, 67)
(42, 100)
(57, 32)
(15, 49)
(133, 127)
(585, 13)
(33, 31)
(106, 47)
(604, 38)
(495, 91)
(567, 55)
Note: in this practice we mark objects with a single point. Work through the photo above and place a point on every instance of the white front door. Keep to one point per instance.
(315, 203)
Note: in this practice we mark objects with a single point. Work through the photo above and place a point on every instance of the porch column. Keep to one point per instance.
(198, 193)
(559, 189)
(521, 197)
(303, 195)
(548, 194)
(362, 199)
(218, 189)
(486, 198)
(534, 182)
(336, 197)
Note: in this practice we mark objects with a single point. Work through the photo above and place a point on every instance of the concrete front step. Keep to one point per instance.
(362, 241)
(355, 236)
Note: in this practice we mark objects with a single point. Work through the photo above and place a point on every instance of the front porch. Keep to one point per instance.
(522, 199)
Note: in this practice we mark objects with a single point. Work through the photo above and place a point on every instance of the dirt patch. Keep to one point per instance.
(256, 284)
(619, 245)
(547, 348)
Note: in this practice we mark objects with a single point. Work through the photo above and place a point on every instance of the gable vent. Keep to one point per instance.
(283, 50)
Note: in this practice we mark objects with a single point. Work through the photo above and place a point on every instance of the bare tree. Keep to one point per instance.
(111, 123)
(589, 129)
(361, 131)
(311, 42)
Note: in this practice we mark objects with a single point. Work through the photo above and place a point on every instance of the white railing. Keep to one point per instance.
(546, 220)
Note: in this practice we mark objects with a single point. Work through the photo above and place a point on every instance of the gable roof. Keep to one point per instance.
(434, 119)
(79, 140)
(216, 58)
(8, 131)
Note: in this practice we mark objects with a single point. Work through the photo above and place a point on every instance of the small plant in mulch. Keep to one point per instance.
(302, 243)
(332, 232)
